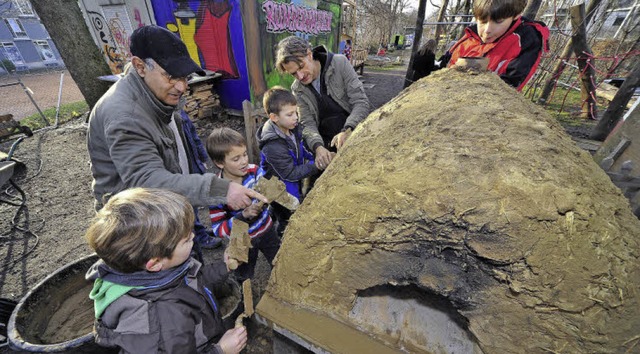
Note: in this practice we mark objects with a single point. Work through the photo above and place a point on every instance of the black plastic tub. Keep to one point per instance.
(57, 316)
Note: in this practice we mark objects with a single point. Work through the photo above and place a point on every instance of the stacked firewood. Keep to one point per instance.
(202, 101)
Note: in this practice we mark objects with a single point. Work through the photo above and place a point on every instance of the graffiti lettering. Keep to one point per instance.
(137, 17)
(283, 17)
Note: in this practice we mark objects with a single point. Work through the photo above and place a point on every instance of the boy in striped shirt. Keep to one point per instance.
(228, 150)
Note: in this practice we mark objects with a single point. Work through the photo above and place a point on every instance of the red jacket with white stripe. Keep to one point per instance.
(514, 56)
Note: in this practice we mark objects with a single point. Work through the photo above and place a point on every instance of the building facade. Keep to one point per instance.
(24, 41)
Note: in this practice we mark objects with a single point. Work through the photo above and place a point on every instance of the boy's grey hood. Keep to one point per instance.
(269, 131)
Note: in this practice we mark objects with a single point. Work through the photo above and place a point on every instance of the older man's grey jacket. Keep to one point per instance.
(131, 145)
(343, 86)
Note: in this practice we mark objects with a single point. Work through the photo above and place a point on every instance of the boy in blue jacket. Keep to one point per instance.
(282, 150)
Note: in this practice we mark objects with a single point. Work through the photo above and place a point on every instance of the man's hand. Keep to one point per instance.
(234, 340)
(323, 157)
(240, 197)
(341, 138)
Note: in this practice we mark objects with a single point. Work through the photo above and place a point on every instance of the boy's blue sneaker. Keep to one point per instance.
(210, 242)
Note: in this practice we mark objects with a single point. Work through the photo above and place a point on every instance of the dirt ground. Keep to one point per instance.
(44, 87)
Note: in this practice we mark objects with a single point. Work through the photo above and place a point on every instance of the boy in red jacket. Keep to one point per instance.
(513, 44)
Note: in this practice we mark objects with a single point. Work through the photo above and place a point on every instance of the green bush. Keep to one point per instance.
(8, 64)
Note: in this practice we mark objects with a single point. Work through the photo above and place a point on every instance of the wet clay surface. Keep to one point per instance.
(478, 196)
(69, 320)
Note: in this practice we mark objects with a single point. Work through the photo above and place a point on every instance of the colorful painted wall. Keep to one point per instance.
(212, 31)
(235, 38)
(315, 20)
(112, 24)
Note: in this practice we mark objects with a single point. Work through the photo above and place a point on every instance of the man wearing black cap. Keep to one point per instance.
(135, 137)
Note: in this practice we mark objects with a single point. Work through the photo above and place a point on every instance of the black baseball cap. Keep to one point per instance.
(165, 48)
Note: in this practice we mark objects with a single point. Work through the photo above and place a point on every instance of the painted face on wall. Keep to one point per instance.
(305, 72)
(489, 31)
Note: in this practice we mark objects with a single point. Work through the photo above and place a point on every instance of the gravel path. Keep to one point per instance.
(381, 85)
(45, 87)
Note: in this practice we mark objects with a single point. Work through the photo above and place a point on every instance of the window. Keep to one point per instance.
(16, 28)
(24, 6)
(46, 54)
(618, 21)
(12, 53)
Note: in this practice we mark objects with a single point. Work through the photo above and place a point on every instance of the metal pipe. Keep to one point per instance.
(28, 92)
(627, 18)
(59, 98)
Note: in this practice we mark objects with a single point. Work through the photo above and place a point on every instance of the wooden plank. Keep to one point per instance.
(304, 325)
(608, 161)
(627, 130)
(250, 129)
(608, 92)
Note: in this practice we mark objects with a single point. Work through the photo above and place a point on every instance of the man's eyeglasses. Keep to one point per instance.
(174, 80)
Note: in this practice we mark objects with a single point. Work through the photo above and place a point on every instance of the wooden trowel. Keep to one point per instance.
(240, 241)
(239, 244)
(275, 191)
(247, 297)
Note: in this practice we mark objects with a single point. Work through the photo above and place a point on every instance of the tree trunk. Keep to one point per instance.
(439, 27)
(65, 24)
(566, 54)
(584, 57)
(417, 37)
(532, 9)
(614, 112)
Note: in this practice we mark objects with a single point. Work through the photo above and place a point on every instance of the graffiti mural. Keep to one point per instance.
(213, 33)
(316, 21)
(236, 38)
(111, 26)
(115, 58)
(283, 17)
(213, 27)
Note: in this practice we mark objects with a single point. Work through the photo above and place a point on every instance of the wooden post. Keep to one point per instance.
(253, 45)
(250, 129)
(440, 19)
(617, 106)
(584, 56)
